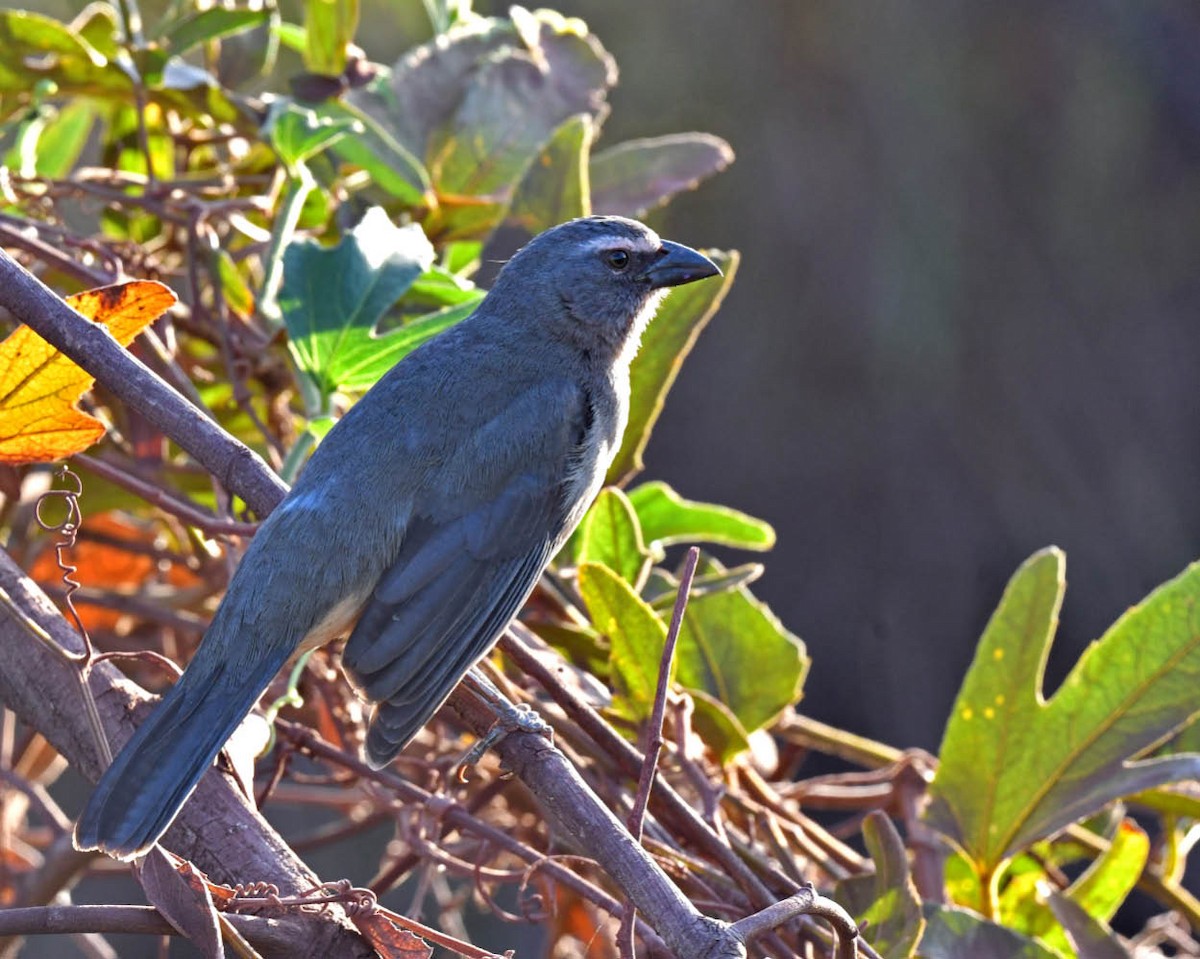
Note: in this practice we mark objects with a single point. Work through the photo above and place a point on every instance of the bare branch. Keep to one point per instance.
(806, 902)
(234, 464)
(218, 829)
(277, 936)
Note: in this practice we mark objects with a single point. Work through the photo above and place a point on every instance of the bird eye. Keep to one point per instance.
(617, 260)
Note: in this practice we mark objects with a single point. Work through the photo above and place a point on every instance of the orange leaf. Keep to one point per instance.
(39, 387)
(106, 564)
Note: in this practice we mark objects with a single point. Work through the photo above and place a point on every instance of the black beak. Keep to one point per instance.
(676, 264)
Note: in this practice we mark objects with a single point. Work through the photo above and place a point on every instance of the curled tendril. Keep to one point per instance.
(68, 528)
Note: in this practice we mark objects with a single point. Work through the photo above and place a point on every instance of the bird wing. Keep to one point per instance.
(468, 561)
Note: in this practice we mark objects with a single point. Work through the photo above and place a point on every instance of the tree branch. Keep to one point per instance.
(234, 464)
(219, 830)
(275, 936)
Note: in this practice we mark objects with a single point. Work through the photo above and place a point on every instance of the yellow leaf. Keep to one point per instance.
(39, 387)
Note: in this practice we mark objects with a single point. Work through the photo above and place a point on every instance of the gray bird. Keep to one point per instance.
(425, 517)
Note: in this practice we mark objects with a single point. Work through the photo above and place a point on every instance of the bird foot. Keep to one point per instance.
(519, 718)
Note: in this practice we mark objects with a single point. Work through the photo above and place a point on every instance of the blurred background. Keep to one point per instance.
(965, 325)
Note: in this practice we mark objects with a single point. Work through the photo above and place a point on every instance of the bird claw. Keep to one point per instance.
(519, 718)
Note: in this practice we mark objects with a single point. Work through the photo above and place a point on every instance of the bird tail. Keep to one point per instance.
(147, 784)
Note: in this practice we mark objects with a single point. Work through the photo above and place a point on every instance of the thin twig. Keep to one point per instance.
(806, 902)
(155, 495)
(526, 652)
(654, 740)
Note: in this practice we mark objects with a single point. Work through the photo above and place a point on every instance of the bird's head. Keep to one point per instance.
(596, 280)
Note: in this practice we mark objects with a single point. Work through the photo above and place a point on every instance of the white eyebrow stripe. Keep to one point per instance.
(648, 244)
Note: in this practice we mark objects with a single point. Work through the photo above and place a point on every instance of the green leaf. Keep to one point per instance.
(1179, 800)
(1102, 888)
(393, 170)
(211, 25)
(722, 634)
(1090, 939)
(233, 286)
(96, 25)
(38, 48)
(478, 103)
(365, 362)
(668, 519)
(63, 138)
(298, 134)
(440, 287)
(1026, 904)
(1015, 767)
(332, 298)
(956, 933)
(609, 534)
(665, 345)
(291, 35)
(330, 26)
(634, 177)
(886, 903)
(555, 188)
(635, 634)
(717, 726)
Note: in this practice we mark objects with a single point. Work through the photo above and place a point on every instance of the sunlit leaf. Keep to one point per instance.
(333, 297)
(667, 518)
(1090, 938)
(39, 387)
(721, 634)
(393, 170)
(63, 138)
(717, 726)
(1102, 888)
(38, 48)
(478, 104)
(299, 134)
(609, 534)
(330, 26)
(665, 345)
(885, 903)
(96, 25)
(362, 367)
(661, 587)
(636, 637)
(1014, 766)
(631, 178)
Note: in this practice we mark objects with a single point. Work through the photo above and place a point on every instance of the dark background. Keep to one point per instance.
(965, 322)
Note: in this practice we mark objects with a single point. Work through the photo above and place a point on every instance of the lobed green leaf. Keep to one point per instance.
(1015, 767)
(332, 298)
